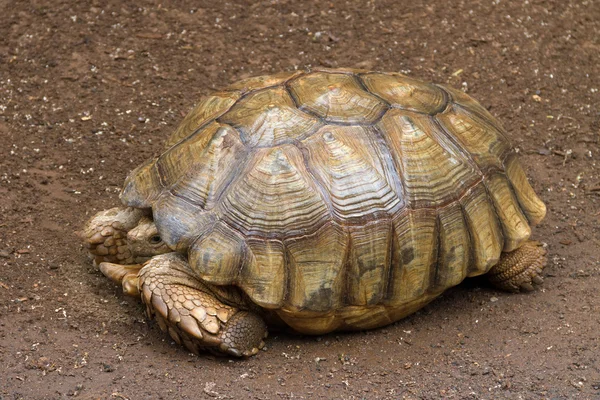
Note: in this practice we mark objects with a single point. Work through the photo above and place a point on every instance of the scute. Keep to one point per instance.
(414, 255)
(369, 262)
(142, 186)
(485, 229)
(207, 110)
(434, 170)
(275, 196)
(468, 103)
(482, 140)
(345, 160)
(263, 277)
(210, 173)
(269, 118)
(406, 93)
(315, 268)
(338, 197)
(337, 98)
(454, 247)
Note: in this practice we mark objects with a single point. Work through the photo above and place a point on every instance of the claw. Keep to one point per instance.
(174, 335)
(130, 286)
(527, 286)
(190, 326)
(159, 305)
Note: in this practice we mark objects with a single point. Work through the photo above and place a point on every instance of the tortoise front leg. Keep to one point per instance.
(519, 269)
(105, 234)
(193, 315)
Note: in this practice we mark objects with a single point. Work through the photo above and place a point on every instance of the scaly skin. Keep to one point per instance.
(191, 312)
(519, 269)
(122, 235)
(105, 235)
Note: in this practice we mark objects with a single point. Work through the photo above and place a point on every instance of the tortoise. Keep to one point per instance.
(320, 200)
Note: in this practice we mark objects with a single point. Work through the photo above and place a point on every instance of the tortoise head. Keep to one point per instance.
(122, 236)
(145, 241)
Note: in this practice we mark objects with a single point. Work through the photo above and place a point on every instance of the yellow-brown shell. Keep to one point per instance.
(330, 189)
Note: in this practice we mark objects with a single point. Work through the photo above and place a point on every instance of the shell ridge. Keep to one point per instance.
(455, 101)
(206, 122)
(160, 173)
(156, 168)
(456, 145)
(388, 286)
(511, 187)
(325, 194)
(493, 203)
(434, 275)
(394, 168)
(471, 243)
(361, 83)
(344, 271)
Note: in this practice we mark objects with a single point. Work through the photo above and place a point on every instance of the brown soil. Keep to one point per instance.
(88, 91)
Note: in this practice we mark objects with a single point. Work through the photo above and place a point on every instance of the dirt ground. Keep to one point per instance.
(90, 89)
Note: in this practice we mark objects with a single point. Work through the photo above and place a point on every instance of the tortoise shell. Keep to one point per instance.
(322, 190)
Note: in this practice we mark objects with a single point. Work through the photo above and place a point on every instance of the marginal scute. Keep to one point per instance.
(369, 262)
(406, 93)
(454, 248)
(434, 170)
(483, 141)
(263, 277)
(415, 254)
(345, 160)
(336, 98)
(275, 196)
(515, 228)
(217, 256)
(209, 108)
(532, 206)
(315, 281)
(486, 234)
(269, 117)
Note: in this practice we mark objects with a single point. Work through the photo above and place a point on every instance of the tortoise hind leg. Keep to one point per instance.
(519, 269)
(190, 312)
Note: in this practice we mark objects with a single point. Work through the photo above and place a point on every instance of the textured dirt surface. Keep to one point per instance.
(90, 89)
